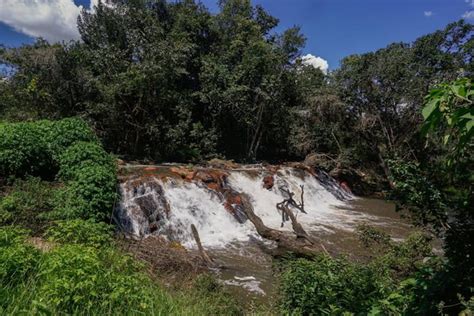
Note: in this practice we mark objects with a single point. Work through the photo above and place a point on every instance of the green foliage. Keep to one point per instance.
(452, 105)
(71, 147)
(33, 148)
(414, 188)
(18, 260)
(75, 277)
(90, 195)
(383, 92)
(210, 296)
(80, 156)
(78, 279)
(79, 231)
(22, 150)
(391, 283)
(329, 286)
(369, 236)
(26, 200)
(401, 260)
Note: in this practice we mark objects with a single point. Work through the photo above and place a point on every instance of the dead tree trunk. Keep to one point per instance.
(284, 207)
(202, 252)
(300, 246)
(297, 228)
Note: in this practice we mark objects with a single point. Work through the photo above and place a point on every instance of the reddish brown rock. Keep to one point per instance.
(213, 186)
(234, 199)
(183, 172)
(345, 187)
(150, 169)
(268, 182)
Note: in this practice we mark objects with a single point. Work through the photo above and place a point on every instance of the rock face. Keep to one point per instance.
(146, 204)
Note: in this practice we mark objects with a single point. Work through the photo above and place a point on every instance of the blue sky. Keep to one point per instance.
(334, 28)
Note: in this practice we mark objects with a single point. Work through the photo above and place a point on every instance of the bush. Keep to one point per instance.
(78, 278)
(22, 150)
(329, 286)
(91, 194)
(17, 258)
(70, 146)
(33, 148)
(389, 284)
(27, 199)
(403, 259)
(79, 231)
(82, 155)
(413, 188)
(59, 135)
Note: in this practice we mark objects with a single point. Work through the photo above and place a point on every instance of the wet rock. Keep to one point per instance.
(183, 172)
(213, 186)
(345, 187)
(150, 169)
(268, 182)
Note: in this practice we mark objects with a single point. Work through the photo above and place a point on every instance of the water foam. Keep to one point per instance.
(194, 204)
(323, 207)
(175, 204)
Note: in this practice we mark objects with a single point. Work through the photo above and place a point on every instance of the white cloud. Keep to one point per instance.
(316, 62)
(470, 2)
(428, 13)
(54, 20)
(468, 15)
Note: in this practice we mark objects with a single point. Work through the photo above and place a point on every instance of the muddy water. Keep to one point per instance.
(247, 267)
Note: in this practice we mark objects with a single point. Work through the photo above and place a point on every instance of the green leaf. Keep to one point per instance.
(430, 108)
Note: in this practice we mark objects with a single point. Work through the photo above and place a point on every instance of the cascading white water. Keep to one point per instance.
(169, 207)
(324, 209)
(194, 204)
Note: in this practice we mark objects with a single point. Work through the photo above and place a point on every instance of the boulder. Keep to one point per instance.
(268, 182)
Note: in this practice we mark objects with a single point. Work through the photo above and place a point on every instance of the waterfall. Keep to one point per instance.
(168, 201)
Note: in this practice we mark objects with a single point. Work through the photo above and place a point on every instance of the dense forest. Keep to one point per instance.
(161, 81)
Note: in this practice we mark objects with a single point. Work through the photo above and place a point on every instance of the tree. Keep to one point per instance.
(383, 90)
(247, 76)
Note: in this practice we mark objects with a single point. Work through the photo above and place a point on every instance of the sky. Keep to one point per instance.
(333, 28)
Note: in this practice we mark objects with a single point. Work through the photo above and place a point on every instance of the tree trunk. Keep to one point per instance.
(300, 246)
(202, 252)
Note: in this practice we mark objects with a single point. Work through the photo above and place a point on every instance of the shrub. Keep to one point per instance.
(329, 286)
(34, 147)
(403, 259)
(413, 188)
(91, 194)
(27, 199)
(17, 258)
(79, 231)
(59, 135)
(22, 150)
(82, 155)
(392, 283)
(71, 146)
(78, 278)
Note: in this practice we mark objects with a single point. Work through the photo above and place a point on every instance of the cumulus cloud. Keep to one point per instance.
(470, 2)
(468, 15)
(428, 13)
(54, 20)
(316, 62)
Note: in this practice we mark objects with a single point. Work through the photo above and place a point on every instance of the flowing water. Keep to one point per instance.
(167, 200)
